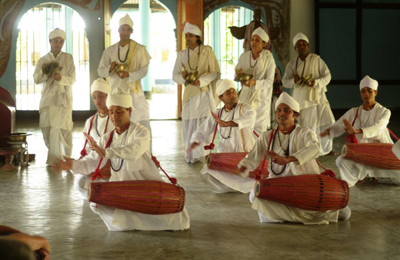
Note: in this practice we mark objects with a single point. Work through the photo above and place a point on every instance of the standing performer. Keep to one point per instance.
(315, 110)
(368, 123)
(128, 150)
(55, 107)
(96, 126)
(235, 123)
(134, 60)
(292, 151)
(199, 96)
(257, 91)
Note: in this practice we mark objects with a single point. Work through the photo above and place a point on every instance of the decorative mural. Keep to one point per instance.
(9, 11)
(278, 22)
(84, 4)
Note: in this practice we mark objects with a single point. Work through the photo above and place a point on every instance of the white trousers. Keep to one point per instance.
(188, 128)
(58, 141)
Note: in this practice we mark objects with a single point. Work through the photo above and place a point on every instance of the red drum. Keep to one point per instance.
(148, 197)
(227, 162)
(310, 191)
(377, 155)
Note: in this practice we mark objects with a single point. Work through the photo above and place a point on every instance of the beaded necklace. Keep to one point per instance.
(189, 59)
(97, 124)
(122, 161)
(126, 56)
(250, 60)
(273, 142)
(230, 129)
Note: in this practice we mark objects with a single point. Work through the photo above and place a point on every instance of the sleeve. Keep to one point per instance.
(205, 130)
(144, 58)
(338, 128)
(378, 127)
(253, 159)
(325, 75)
(288, 78)
(86, 130)
(38, 75)
(213, 66)
(177, 72)
(89, 163)
(104, 65)
(311, 147)
(70, 77)
(206, 80)
(239, 65)
(139, 143)
(248, 117)
(269, 74)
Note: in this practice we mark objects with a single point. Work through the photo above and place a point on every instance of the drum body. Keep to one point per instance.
(377, 155)
(148, 197)
(228, 162)
(310, 191)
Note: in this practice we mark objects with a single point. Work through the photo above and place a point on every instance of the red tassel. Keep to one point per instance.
(329, 173)
(97, 174)
(83, 152)
(351, 139)
(209, 147)
(173, 180)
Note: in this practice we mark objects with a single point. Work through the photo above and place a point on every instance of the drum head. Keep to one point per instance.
(257, 188)
(344, 150)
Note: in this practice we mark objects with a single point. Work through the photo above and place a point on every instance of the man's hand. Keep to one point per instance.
(62, 165)
(296, 77)
(249, 83)
(327, 131)
(112, 66)
(184, 74)
(44, 65)
(57, 77)
(94, 146)
(192, 146)
(350, 129)
(223, 123)
(196, 83)
(311, 83)
(239, 71)
(276, 158)
(123, 74)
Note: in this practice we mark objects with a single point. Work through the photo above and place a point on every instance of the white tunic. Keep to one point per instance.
(241, 140)
(133, 147)
(374, 125)
(258, 96)
(304, 147)
(100, 126)
(140, 107)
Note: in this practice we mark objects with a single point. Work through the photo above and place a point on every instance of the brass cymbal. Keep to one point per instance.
(243, 77)
(191, 77)
(120, 67)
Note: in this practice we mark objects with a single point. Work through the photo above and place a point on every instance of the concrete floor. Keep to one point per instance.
(37, 201)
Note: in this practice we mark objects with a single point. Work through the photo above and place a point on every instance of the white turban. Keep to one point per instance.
(223, 85)
(284, 98)
(57, 33)
(260, 32)
(100, 85)
(368, 82)
(191, 28)
(119, 98)
(126, 20)
(396, 149)
(298, 37)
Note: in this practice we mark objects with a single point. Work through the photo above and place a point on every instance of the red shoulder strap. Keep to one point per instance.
(84, 152)
(212, 145)
(97, 174)
(258, 175)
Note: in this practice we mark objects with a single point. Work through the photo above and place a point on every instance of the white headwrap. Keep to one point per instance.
(57, 33)
(223, 85)
(298, 37)
(368, 82)
(396, 149)
(260, 32)
(119, 98)
(126, 20)
(284, 98)
(100, 85)
(191, 28)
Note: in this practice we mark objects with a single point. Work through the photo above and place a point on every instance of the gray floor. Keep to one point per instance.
(37, 201)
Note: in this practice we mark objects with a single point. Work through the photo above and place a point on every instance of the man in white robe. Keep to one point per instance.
(292, 151)
(135, 61)
(257, 91)
(235, 127)
(198, 96)
(131, 160)
(369, 126)
(96, 126)
(315, 111)
(55, 107)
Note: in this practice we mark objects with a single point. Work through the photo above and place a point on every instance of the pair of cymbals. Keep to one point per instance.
(304, 81)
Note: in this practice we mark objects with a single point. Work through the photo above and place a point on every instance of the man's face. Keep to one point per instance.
(56, 44)
(257, 44)
(191, 40)
(302, 47)
(368, 94)
(229, 97)
(125, 32)
(120, 116)
(285, 115)
(99, 99)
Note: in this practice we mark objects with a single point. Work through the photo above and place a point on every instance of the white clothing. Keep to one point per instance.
(373, 123)
(258, 96)
(304, 147)
(130, 152)
(241, 140)
(55, 107)
(315, 111)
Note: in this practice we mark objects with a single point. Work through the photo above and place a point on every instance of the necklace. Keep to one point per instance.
(250, 60)
(122, 161)
(126, 56)
(105, 128)
(189, 59)
(369, 108)
(302, 73)
(280, 144)
(103, 115)
(230, 129)
(273, 142)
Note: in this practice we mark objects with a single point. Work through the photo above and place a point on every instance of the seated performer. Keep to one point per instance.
(235, 124)
(292, 151)
(96, 126)
(368, 123)
(128, 151)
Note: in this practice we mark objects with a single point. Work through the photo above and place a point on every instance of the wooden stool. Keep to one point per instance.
(8, 152)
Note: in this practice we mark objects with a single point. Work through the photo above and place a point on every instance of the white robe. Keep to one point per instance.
(258, 96)
(374, 125)
(241, 139)
(304, 147)
(315, 111)
(197, 108)
(55, 107)
(133, 147)
(100, 126)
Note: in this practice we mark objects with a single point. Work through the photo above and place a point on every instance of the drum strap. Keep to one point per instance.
(327, 172)
(212, 145)
(352, 138)
(394, 136)
(258, 175)
(97, 174)
(157, 163)
(84, 152)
